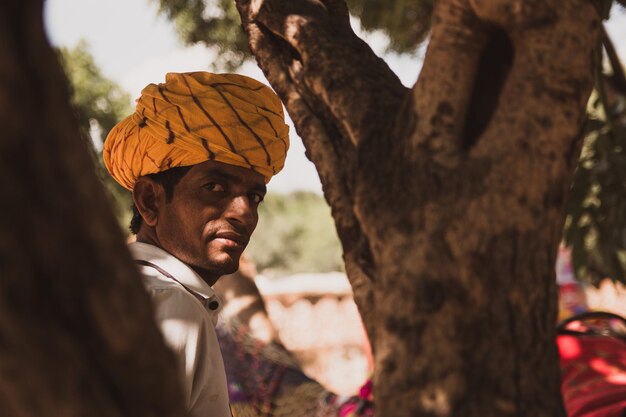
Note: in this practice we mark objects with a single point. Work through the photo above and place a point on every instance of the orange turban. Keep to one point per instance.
(196, 117)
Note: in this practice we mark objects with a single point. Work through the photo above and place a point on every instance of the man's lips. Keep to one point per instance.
(231, 239)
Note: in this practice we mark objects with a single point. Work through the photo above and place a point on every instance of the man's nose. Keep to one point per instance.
(241, 211)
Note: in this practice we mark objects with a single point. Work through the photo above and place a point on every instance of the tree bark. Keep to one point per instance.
(78, 336)
(448, 197)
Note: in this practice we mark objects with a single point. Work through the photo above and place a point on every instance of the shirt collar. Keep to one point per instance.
(175, 267)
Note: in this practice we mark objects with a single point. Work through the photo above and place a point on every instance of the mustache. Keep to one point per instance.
(231, 232)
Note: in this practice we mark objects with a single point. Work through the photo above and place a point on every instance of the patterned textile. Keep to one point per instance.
(361, 406)
(195, 117)
(264, 380)
(592, 347)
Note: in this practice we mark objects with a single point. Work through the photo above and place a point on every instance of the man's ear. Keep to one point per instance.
(146, 196)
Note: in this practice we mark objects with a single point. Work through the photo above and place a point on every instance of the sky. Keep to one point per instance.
(135, 46)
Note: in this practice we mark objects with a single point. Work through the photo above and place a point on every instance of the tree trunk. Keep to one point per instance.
(448, 197)
(77, 333)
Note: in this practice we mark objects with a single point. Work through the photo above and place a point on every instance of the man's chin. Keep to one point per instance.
(227, 268)
(224, 264)
(210, 273)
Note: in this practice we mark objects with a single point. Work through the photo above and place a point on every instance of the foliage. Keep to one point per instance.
(216, 24)
(295, 234)
(595, 227)
(99, 103)
(405, 22)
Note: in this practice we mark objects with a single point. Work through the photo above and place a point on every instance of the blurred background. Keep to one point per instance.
(111, 50)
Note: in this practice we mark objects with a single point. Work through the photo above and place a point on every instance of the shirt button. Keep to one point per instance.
(214, 305)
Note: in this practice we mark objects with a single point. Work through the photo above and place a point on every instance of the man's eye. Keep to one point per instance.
(214, 186)
(256, 198)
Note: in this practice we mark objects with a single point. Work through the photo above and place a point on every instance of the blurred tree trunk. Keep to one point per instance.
(77, 333)
(447, 197)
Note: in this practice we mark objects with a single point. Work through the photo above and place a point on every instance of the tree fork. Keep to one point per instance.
(462, 233)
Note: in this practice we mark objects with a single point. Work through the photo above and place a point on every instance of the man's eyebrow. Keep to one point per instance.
(260, 188)
(225, 176)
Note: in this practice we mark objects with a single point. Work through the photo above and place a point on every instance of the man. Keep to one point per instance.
(196, 155)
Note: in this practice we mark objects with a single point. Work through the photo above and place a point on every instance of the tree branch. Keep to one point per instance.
(333, 156)
(618, 79)
(324, 41)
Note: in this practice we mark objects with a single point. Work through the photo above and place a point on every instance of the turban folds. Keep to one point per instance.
(196, 117)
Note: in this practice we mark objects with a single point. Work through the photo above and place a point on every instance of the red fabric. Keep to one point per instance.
(593, 375)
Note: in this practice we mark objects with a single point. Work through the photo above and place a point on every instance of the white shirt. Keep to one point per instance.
(186, 310)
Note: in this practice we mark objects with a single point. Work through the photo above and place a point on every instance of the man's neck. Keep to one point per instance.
(207, 277)
(145, 237)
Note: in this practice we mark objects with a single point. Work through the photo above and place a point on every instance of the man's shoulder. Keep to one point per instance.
(170, 297)
(153, 280)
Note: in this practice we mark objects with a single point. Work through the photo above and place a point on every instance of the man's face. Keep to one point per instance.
(209, 220)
